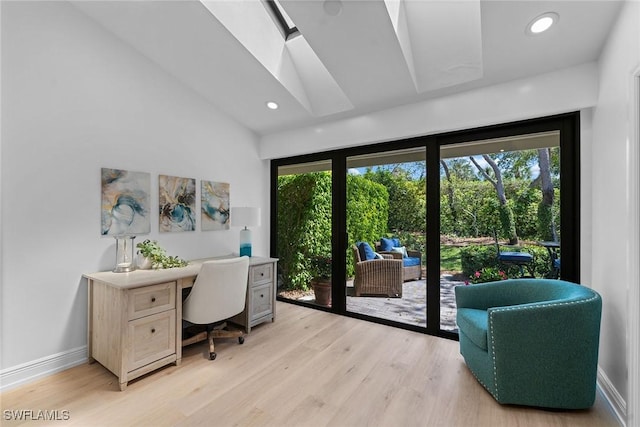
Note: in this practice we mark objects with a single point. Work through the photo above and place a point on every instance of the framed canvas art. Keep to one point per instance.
(177, 203)
(125, 202)
(214, 198)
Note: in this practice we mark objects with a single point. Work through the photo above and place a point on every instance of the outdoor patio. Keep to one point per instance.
(411, 308)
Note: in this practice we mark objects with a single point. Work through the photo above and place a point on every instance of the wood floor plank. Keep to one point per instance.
(309, 368)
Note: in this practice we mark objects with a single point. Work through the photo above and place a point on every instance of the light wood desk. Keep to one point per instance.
(135, 319)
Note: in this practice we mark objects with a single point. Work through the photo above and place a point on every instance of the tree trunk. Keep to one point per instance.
(546, 225)
(450, 196)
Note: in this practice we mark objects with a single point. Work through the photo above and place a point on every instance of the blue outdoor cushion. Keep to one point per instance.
(386, 244)
(366, 253)
(410, 262)
(396, 242)
(516, 256)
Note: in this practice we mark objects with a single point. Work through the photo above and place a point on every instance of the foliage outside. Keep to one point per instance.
(304, 222)
(487, 274)
(390, 201)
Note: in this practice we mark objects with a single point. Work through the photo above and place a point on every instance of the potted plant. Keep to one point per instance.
(321, 280)
(154, 256)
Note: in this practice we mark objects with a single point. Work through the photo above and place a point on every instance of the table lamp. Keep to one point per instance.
(245, 217)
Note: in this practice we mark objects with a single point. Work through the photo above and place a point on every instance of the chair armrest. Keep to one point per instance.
(411, 253)
(394, 254)
(379, 266)
(480, 296)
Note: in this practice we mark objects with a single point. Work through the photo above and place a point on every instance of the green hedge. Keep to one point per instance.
(304, 221)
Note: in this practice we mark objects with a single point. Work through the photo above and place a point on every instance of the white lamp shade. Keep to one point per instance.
(245, 217)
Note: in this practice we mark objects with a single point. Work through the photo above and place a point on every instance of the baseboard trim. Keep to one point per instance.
(31, 371)
(614, 399)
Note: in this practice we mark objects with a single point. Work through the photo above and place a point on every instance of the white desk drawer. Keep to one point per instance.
(261, 301)
(261, 273)
(151, 338)
(152, 299)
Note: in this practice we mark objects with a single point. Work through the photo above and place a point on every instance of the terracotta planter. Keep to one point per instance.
(322, 291)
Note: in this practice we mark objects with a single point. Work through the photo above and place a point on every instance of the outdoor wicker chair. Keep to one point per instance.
(411, 262)
(377, 276)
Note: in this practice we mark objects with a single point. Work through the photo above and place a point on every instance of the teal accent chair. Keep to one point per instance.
(532, 342)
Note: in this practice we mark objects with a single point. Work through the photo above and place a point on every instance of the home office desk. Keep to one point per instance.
(135, 319)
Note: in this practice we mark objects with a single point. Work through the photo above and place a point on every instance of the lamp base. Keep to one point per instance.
(245, 242)
(245, 250)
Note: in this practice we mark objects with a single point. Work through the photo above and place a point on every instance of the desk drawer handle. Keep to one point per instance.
(153, 330)
(261, 295)
(261, 274)
(153, 299)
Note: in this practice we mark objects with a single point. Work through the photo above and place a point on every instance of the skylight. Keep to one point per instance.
(287, 26)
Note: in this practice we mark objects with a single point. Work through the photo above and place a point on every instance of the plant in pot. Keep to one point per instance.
(154, 256)
(321, 280)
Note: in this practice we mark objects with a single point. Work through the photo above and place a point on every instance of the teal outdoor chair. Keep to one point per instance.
(532, 342)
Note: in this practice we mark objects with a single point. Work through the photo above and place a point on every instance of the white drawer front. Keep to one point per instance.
(151, 299)
(262, 301)
(151, 338)
(261, 273)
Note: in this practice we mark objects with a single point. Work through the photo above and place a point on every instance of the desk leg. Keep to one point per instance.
(123, 386)
(90, 358)
(179, 324)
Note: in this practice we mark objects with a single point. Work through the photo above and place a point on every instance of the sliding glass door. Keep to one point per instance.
(397, 226)
(304, 240)
(385, 218)
(499, 212)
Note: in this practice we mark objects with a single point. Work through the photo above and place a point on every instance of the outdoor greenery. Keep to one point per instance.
(304, 221)
(513, 196)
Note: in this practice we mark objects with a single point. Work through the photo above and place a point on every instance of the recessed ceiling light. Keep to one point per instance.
(272, 105)
(542, 23)
(332, 7)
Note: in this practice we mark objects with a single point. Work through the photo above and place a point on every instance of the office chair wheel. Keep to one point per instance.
(240, 340)
(212, 356)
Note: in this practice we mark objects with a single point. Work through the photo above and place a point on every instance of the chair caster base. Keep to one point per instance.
(212, 356)
(240, 340)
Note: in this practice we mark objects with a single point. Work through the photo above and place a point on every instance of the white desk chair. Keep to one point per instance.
(218, 293)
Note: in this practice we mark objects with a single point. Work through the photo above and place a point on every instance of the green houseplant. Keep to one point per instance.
(156, 257)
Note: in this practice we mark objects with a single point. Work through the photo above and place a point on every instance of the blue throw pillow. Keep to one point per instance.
(366, 253)
(386, 244)
(396, 242)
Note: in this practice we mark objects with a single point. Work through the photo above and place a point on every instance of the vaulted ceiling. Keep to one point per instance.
(353, 56)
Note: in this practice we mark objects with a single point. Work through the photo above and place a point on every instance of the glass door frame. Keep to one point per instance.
(569, 126)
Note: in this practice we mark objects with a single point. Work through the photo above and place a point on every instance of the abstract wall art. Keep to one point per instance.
(177, 203)
(125, 202)
(214, 205)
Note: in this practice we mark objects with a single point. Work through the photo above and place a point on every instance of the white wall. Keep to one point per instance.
(76, 99)
(615, 195)
(561, 91)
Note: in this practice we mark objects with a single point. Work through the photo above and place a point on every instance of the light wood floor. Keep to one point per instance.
(309, 368)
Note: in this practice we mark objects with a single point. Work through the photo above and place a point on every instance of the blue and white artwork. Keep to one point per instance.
(214, 197)
(177, 200)
(125, 202)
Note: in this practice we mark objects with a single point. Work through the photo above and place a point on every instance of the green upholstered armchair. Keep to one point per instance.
(532, 342)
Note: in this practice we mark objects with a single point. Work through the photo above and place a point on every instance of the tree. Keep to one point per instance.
(546, 225)
(506, 213)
